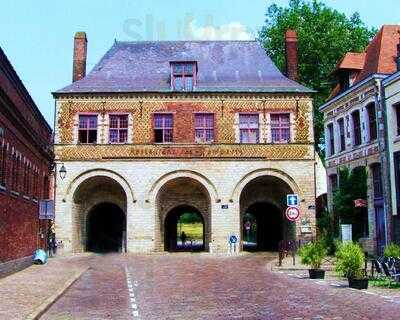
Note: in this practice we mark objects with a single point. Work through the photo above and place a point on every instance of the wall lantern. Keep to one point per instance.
(62, 171)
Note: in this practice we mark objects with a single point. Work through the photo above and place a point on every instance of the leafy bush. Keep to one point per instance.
(349, 260)
(392, 250)
(312, 254)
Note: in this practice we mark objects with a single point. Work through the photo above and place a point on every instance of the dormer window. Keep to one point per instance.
(183, 76)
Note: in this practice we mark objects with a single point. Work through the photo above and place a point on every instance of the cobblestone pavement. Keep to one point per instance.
(23, 293)
(199, 286)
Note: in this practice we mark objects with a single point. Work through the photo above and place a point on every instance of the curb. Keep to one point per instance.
(42, 308)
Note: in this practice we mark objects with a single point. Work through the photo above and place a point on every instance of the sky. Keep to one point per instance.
(37, 36)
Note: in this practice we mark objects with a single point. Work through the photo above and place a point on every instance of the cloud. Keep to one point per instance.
(232, 31)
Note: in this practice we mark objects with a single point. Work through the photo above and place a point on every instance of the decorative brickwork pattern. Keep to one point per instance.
(224, 109)
(104, 152)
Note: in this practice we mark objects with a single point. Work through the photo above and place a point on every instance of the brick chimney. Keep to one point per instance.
(80, 53)
(291, 55)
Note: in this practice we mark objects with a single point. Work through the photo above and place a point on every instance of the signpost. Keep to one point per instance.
(46, 209)
(292, 200)
(292, 213)
(233, 239)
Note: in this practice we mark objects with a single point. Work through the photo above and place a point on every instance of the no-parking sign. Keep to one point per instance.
(292, 213)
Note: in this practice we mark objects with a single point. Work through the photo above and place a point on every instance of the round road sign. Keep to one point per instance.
(292, 213)
(233, 239)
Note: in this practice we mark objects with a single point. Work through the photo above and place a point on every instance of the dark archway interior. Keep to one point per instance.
(266, 227)
(263, 204)
(105, 228)
(172, 236)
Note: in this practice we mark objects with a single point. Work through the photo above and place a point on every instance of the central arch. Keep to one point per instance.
(184, 229)
(176, 197)
(262, 206)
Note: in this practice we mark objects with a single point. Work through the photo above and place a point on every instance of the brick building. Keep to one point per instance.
(355, 127)
(25, 161)
(391, 105)
(157, 129)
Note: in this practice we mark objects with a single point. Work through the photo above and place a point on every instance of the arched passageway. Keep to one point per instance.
(99, 216)
(105, 228)
(177, 199)
(262, 207)
(184, 230)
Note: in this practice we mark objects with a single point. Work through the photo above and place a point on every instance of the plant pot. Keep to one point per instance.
(358, 283)
(316, 273)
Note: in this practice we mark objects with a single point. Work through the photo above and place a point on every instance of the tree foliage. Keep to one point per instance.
(324, 36)
(352, 186)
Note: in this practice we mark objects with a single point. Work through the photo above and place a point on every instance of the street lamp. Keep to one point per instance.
(62, 171)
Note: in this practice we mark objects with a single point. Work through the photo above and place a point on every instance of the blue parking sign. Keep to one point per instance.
(292, 200)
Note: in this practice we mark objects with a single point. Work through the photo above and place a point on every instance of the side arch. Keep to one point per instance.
(78, 180)
(237, 191)
(160, 182)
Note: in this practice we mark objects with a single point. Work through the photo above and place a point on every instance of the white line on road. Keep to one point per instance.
(133, 305)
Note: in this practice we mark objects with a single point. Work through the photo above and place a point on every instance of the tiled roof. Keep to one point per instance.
(378, 58)
(352, 61)
(223, 66)
(381, 52)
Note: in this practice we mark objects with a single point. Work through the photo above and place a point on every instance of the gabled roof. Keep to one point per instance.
(381, 52)
(223, 66)
(378, 58)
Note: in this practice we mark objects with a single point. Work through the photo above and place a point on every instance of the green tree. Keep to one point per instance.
(352, 186)
(324, 36)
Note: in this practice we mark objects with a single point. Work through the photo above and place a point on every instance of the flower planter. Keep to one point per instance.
(316, 273)
(358, 283)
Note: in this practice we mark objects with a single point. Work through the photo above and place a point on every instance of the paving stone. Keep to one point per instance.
(200, 286)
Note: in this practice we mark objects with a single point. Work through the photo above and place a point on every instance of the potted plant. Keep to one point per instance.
(349, 263)
(312, 255)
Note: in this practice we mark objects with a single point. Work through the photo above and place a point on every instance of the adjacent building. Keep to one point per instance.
(25, 163)
(391, 103)
(355, 130)
(158, 129)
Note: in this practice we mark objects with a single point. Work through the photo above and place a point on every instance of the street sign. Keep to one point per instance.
(46, 209)
(247, 225)
(292, 213)
(292, 200)
(233, 239)
(224, 206)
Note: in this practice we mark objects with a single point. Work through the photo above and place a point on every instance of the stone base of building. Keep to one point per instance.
(140, 203)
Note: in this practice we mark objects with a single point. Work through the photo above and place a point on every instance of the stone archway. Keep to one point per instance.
(181, 192)
(96, 201)
(262, 206)
(106, 224)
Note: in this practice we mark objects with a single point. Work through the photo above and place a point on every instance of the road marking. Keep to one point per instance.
(133, 305)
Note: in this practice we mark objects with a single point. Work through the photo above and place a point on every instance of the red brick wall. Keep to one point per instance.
(25, 131)
(184, 114)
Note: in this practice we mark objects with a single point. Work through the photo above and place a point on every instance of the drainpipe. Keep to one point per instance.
(384, 158)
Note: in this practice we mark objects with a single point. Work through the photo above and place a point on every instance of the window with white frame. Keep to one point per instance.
(118, 132)
(204, 127)
(163, 127)
(249, 128)
(87, 129)
(183, 76)
(280, 127)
